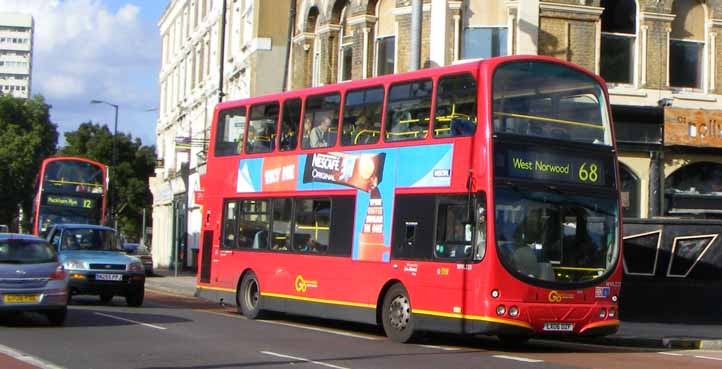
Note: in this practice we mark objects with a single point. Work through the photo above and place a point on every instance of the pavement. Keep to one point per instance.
(635, 334)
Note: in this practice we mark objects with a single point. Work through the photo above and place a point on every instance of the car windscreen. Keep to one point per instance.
(90, 240)
(26, 252)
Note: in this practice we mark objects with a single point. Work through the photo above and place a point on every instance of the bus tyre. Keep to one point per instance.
(396, 316)
(135, 298)
(249, 296)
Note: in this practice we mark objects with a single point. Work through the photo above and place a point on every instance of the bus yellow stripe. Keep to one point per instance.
(473, 317)
(322, 301)
(600, 324)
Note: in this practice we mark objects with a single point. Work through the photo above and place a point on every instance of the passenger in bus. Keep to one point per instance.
(363, 131)
(319, 134)
(306, 134)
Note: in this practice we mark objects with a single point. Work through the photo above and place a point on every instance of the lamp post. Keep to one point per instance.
(115, 154)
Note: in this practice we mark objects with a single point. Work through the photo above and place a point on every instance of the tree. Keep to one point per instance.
(128, 180)
(26, 138)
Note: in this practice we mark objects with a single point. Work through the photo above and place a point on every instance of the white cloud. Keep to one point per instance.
(84, 50)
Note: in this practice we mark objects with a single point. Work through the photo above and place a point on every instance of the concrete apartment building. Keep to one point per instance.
(206, 58)
(16, 54)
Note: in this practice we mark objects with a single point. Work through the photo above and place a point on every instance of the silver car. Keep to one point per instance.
(31, 278)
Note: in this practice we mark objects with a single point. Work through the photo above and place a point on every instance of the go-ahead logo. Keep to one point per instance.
(555, 296)
(302, 284)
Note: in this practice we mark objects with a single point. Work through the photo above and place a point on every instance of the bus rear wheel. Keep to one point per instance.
(249, 296)
(396, 315)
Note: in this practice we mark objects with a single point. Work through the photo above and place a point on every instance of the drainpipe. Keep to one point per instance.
(222, 52)
(416, 17)
(291, 17)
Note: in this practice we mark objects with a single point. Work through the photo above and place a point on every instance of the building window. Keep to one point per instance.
(345, 52)
(619, 35)
(484, 42)
(695, 189)
(686, 45)
(385, 38)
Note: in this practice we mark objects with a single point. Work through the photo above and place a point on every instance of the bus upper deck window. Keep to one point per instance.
(230, 131)
(455, 106)
(408, 110)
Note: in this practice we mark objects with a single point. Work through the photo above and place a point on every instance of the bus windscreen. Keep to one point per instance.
(73, 176)
(542, 99)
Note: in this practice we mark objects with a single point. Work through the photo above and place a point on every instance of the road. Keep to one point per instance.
(179, 332)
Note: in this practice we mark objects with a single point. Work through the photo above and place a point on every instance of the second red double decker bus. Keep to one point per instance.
(478, 198)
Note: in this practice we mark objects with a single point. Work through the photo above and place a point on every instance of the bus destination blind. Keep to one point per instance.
(552, 166)
(70, 201)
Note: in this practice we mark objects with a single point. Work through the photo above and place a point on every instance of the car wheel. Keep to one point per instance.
(135, 298)
(249, 296)
(106, 298)
(396, 316)
(57, 317)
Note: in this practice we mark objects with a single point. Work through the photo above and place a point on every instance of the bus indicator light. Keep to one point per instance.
(495, 294)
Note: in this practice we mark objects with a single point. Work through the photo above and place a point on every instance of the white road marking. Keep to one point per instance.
(28, 359)
(303, 359)
(294, 325)
(445, 348)
(515, 358)
(131, 321)
(709, 358)
(331, 331)
(670, 354)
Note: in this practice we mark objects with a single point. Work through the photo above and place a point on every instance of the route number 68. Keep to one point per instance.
(588, 173)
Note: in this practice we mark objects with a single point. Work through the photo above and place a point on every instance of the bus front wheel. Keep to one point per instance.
(249, 296)
(398, 321)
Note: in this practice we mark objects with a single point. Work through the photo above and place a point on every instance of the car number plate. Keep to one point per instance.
(558, 327)
(108, 277)
(20, 299)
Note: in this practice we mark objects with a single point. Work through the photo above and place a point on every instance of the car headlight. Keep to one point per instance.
(135, 266)
(74, 264)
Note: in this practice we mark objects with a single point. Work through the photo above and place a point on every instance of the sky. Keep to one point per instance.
(105, 50)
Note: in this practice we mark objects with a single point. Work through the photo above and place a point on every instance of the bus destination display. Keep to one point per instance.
(70, 201)
(552, 166)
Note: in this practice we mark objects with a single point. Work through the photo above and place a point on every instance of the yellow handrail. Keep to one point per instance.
(553, 120)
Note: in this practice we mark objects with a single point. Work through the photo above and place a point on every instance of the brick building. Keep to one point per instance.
(661, 59)
(662, 63)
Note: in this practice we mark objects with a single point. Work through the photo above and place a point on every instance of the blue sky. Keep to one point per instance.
(97, 49)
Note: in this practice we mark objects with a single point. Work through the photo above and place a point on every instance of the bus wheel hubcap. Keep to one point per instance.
(252, 294)
(399, 312)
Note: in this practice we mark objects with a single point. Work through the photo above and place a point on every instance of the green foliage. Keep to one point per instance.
(129, 177)
(26, 138)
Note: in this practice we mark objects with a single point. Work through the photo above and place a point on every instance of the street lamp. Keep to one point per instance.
(115, 128)
(115, 153)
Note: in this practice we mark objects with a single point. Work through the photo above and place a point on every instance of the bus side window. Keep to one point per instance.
(262, 123)
(290, 119)
(362, 116)
(230, 215)
(230, 131)
(453, 229)
(408, 110)
(455, 106)
(281, 224)
(320, 121)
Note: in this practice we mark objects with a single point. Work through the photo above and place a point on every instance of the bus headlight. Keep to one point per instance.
(135, 267)
(602, 313)
(612, 313)
(74, 264)
(500, 310)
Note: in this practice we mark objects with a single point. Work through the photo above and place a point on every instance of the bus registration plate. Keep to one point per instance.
(108, 277)
(558, 327)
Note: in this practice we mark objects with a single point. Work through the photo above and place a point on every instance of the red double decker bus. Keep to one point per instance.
(479, 199)
(70, 190)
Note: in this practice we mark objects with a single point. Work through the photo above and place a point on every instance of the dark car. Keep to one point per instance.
(97, 264)
(142, 253)
(31, 277)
